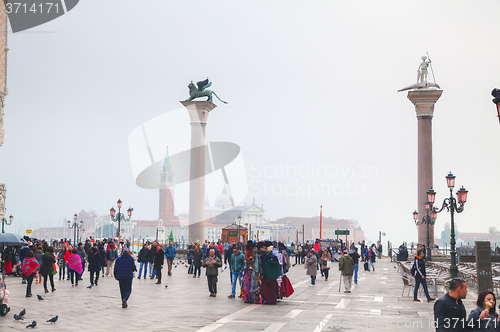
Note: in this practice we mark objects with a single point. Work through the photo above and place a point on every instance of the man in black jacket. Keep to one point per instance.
(158, 262)
(449, 311)
(143, 259)
(419, 274)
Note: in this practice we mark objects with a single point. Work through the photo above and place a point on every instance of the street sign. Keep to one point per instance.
(342, 232)
(29, 231)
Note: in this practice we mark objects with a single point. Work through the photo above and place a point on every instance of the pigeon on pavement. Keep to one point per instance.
(32, 325)
(18, 318)
(53, 320)
(22, 313)
(40, 298)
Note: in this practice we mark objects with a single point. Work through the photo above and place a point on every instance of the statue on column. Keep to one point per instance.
(200, 90)
(422, 70)
(422, 77)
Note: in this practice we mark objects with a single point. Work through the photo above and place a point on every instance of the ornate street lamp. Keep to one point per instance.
(451, 206)
(76, 226)
(119, 217)
(429, 219)
(7, 222)
(239, 225)
(496, 93)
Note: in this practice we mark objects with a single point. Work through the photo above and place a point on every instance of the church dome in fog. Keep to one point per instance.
(224, 201)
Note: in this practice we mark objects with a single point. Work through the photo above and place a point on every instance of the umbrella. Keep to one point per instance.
(8, 239)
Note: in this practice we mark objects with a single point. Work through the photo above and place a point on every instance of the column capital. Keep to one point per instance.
(424, 100)
(198, 110)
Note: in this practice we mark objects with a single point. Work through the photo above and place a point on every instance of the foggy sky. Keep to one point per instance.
(311, 85)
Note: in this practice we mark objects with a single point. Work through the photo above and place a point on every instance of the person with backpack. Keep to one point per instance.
(143, 260)
(418, 272)
(110, 257)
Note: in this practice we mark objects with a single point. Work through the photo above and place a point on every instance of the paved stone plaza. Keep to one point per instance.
(375, 304)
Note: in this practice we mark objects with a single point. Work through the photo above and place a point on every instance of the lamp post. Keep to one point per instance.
(248, 234)
(76, 225)
(496, 93)
(450, 204)
(429, 219)
(239, 226)
(119, 217)
(158, 230)
(7, 222)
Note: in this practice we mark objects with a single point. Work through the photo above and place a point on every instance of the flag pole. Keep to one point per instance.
(432, 71)
(320, 222)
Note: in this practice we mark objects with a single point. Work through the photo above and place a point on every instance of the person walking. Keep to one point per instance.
(237, 263)
(61, 263)
(197, 260)
(110, 257)
(124, 272)
(102, 255)
(39, 257)
(355, 258)
(29, 267)
(75, 267)
(346, 265)
(311, 266)
(142, 258)
(158, 262)
(67, 253)
(170, 253)
(212, 264)
(83, 256)
(94, 266)
(48, 268)
(449, 310)
(418, 272)
(326, 259)
(190, 254)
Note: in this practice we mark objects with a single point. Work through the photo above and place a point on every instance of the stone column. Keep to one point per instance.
(198, 112)
(424, 100)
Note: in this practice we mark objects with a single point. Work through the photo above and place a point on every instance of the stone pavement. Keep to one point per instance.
(375, 304)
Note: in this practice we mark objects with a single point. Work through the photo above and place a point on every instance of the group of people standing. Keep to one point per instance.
(153, 256)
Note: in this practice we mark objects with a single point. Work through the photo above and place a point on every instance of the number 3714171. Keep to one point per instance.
(19, 7)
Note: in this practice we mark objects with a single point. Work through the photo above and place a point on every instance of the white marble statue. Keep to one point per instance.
(422, 77)
(422, 70)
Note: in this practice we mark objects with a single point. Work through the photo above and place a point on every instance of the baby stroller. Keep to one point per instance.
(4, 295)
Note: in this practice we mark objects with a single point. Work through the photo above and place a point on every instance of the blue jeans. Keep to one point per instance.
(145, 265)
(355, 272)
(125, 288)
(234, 278)
(313, 280)
(418, 281)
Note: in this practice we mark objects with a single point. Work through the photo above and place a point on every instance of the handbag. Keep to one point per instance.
(54, 270)
(328, 264)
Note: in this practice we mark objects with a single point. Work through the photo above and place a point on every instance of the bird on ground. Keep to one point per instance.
(18, 318)
(22, 313)
(39, 298)
(53, 320)
(89, 286)
(32, 324)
